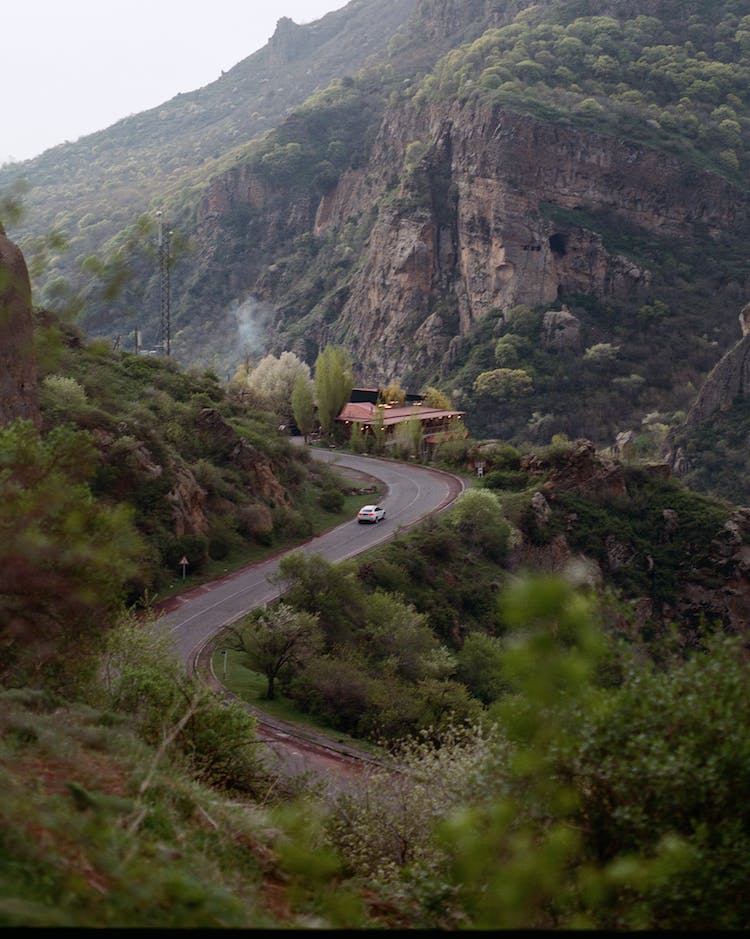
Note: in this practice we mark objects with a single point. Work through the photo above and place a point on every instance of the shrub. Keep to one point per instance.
(289, 523)
(479, 518)
(380, 572)
(223, 537)
(255, 520)
(193, 547)
(335, 690)
(62, 396)
(332, 500)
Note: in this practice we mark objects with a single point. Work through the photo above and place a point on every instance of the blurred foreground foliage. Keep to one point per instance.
(598, 792)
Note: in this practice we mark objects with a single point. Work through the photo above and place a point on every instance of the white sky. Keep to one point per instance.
(73, 67)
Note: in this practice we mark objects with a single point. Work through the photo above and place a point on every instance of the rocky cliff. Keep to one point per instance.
(488, 155)
(18, 382)
(702, 552)
(709, 448)
(472, 234)
(477, 225)
(729, 379)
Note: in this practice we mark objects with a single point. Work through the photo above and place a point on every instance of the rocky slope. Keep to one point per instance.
(675, 557)
(708, 449)
(92, 188)
(18, 379)
(454, 213)
(729, 379)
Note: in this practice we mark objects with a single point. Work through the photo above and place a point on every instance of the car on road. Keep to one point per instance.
(371, 513)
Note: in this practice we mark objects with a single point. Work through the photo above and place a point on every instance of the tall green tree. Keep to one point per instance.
(303, 405)
(434, 398)
(378, 431)
(334, 379)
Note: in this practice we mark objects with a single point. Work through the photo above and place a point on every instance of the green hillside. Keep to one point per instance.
(554, 671)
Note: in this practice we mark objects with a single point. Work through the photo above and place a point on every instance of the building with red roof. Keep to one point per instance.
(436, 422)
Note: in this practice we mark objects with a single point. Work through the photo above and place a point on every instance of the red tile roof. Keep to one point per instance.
(365, 413)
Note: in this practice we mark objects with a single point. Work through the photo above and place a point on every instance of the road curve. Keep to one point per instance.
(412, 493)
(197, 616)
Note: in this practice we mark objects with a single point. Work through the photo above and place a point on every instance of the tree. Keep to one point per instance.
(502, 384)
(479, 663)
(357, 438)
(399, 638)
(393, 394)
(434, 398)
(478, 515)
(512, 349)
(694, 718)
(333, 384)
(378, 431)
(278, 640)
(409, 436)
(303, 406)
(314, 584)
(274, 380)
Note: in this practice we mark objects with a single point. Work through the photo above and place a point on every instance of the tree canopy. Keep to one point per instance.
(334, 380)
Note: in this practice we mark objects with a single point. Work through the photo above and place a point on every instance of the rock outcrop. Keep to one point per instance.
(258, 471)
(713, 586)
(729, 378)
(561, 329)
(583, 470)
(728, 381)
(18, 382)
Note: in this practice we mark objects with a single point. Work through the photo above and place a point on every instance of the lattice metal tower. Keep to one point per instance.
(165, 336)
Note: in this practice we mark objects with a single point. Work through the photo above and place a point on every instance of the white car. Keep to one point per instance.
(371, 513)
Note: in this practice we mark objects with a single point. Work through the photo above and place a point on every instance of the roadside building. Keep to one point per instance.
(436, 422)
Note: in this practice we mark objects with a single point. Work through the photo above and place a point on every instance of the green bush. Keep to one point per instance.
(223, 538)
(332, 500)
(290, 523)
(669, 758)
(193, 547)
(338, 691)
(513, 480)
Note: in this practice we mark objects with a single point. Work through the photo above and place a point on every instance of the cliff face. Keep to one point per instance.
(487, 218)
(495, 212)
(729, 379)
(471, 232)
(709, 448)
(18, 386)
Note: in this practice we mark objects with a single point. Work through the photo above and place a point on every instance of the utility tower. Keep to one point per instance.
(165, 335)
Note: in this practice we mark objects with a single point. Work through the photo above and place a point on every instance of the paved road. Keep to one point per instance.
(413, 492)
(195, 617)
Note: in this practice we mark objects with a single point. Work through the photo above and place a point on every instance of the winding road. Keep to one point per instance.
(195, 617)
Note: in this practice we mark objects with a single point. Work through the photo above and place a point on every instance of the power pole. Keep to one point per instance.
(164, 287)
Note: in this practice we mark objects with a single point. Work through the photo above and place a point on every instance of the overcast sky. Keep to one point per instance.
(73, 67)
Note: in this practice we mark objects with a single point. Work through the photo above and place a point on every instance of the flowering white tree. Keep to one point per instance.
(273, 379)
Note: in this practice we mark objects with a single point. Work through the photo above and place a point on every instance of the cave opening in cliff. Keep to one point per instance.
(557, 244)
